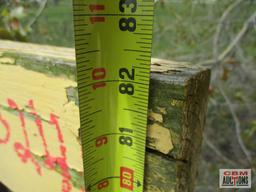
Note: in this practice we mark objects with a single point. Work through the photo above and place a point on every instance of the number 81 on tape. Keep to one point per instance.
(126, 178)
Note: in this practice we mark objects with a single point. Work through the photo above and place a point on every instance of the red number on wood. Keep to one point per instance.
(23, 150)
(25, 154)
(62, 161)
(6, 138)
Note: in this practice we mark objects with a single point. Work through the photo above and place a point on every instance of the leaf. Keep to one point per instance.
(17, 12)
(5, 13)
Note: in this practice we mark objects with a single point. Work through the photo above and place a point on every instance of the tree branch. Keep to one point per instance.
(237, 39)
(217, 152)
(233, 44)
(39, 12)
(220, 25)
(237, 124)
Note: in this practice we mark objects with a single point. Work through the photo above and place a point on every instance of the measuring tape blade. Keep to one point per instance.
(113, 51)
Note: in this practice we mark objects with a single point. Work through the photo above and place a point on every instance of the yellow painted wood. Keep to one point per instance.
(27, 72)
(46, 51)
(21, 177)
(49, 96)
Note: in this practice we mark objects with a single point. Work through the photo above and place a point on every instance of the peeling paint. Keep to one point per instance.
(159, 138)
(72, 94)
(48, 77)
(177, 103)
(6, 60)
(155, 116)
(162, 110)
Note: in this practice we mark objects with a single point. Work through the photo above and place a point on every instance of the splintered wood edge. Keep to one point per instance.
(68, 54)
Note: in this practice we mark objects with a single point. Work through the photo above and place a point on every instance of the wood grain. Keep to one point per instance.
(41, 79)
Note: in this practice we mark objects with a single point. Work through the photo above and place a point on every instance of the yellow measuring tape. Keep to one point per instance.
(113, 50)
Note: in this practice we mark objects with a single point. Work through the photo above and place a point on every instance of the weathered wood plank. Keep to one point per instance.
(38, 95)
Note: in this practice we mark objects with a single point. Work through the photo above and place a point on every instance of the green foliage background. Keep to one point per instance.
(183, 31)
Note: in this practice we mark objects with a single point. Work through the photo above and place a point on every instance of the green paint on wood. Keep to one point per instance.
(180, 96)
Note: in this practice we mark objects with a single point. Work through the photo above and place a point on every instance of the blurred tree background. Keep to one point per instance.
(220, 34)
(37, 21)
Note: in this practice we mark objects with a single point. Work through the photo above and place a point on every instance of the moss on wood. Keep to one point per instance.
(177, 104)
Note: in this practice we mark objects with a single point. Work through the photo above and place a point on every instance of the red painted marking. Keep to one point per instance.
(24, 152)
(6, 138)
(14, 106)
(96, 7)
(18, 146)
(96, 19)
(126, 178)
(48, 161)
(54, 121)
(62, 161)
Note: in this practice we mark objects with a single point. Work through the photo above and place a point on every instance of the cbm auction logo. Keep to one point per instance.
(235, 178)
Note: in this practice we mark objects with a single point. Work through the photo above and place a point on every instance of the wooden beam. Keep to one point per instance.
(39, 94)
